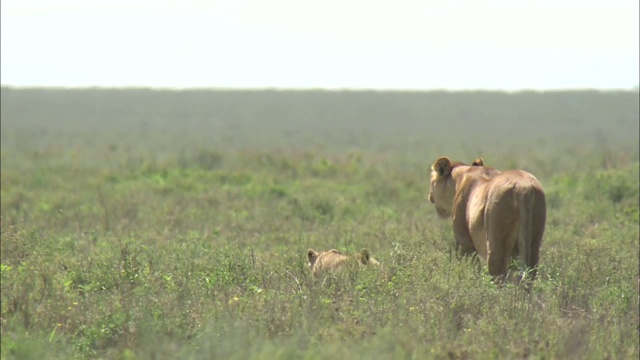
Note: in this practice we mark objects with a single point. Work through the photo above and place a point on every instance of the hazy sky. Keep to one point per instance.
(510, 44)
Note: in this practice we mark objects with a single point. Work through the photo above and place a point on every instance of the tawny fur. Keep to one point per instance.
(323, 261)
(499, 215)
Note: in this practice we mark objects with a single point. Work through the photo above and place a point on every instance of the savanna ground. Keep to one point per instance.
(143, 224)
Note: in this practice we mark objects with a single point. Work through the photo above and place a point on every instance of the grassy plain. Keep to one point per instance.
(141, 224)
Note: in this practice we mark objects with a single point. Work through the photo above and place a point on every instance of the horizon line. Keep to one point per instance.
(635, 88)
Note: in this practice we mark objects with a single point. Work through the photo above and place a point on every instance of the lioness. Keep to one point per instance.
(322, 261)
(499, 215)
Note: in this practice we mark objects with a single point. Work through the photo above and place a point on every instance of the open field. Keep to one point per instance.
(141, 224)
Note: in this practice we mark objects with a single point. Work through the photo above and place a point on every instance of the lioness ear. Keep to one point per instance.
(478, 162)
(442, 166)
(312, 255)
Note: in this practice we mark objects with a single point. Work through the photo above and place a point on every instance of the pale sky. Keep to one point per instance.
(509, 44)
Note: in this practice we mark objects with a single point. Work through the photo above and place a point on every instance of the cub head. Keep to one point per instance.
(323, 260)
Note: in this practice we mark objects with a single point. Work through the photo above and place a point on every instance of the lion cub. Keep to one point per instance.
(322, 261)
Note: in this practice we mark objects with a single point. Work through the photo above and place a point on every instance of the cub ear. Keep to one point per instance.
(312, 255)
(442, 166)
(364, 256)
(478, 162)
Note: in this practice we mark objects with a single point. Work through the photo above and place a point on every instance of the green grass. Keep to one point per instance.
(200, 253)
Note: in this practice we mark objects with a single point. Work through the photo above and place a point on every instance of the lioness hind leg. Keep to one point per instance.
(535, 233)
(532, 269)
(497, 268)
(497, 258)
(538, 225)
(501, 240)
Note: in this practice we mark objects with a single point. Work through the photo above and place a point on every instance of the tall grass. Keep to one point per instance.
(116, 252)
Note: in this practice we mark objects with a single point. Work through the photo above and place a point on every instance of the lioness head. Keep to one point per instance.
(321, 261)
(443, 186)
